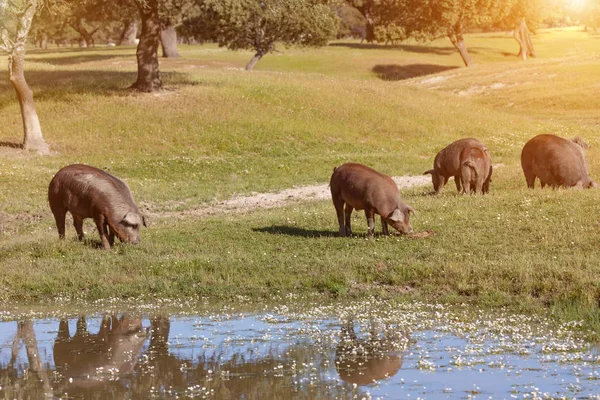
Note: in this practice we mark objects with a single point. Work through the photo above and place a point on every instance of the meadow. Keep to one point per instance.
(218, 131)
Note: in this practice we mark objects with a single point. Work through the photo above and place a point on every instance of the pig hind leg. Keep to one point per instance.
(59, 216)
(348, 215)
(338, 203)
(529, 177)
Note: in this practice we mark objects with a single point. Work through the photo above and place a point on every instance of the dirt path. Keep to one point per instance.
(271, 200)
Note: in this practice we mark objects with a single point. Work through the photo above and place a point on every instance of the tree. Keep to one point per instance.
(148, 77)
(433, 19)
(259, 24)
(367, 9)
(172, 13)
(515, 17)
(13, 42)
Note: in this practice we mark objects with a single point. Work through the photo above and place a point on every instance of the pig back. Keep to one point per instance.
(555, 161)
(363, 187)
(85, 190)
(448, 161)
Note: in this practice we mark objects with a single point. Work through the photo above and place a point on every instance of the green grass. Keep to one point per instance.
(219, 131)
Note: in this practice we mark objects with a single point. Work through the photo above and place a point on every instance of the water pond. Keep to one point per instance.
(360, 350)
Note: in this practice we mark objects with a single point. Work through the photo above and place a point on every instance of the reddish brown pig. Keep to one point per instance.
(89, 192)
(362, 188)
(447, 163)
(475, 167)
(556, 162)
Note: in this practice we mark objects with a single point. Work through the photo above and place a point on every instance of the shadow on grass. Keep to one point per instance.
(83, 58)
(11, 145)
(395, 72)
(439, 50)
(73, 56)
(295, 231)
(63, 85)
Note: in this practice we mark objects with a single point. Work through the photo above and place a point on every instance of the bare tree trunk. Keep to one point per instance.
(459, 42)
(129, 34)
(148, 79)
(365, 10)
(44, 41)
(168, 40)
(33, 139)
(254, 60)
(27, 334)
(523, 37)
(85, 34)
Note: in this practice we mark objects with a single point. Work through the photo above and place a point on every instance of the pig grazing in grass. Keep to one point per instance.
(359, 187)
(447, 163)
(88, 192)
(556, 162)
(475, 169)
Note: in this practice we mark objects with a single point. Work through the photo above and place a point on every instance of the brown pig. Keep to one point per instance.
(475, 168)
(556, 162)
(362, 188)
(89, 192)
(447, 163)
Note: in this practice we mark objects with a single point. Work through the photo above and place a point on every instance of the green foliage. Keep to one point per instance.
(259, 24)
(351, 20)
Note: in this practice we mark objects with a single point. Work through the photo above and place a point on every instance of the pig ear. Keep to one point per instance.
(411, 210)
(396, 216)
(131, 219)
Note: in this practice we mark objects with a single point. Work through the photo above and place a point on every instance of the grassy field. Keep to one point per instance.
(219, 131)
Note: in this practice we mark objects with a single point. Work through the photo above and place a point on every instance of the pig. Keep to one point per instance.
(89, 192)
(362, 188)
(556, 162)
(447, 163)
(475, 167)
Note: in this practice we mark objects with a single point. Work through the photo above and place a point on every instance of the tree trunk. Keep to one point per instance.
(129, 34)
(33, 139)
(168, 40)
(523, 37)
(148, 79)
(459, 42)
(365, 10)
(370, 34)
(253, 62)
(85, 34)
(44, 41)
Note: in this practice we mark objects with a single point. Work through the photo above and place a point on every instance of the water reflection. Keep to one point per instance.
(369, 359)
(318, 354)
(88, 360)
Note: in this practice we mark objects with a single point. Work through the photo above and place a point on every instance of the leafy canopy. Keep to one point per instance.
(260, 24)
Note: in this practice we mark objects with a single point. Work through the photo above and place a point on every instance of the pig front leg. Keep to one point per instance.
(384, 227)
(370, 221)
(457, 181)
(101, 225)
(78, 224)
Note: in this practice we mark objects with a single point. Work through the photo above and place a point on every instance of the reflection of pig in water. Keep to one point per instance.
(365, 360)
(89, 359)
